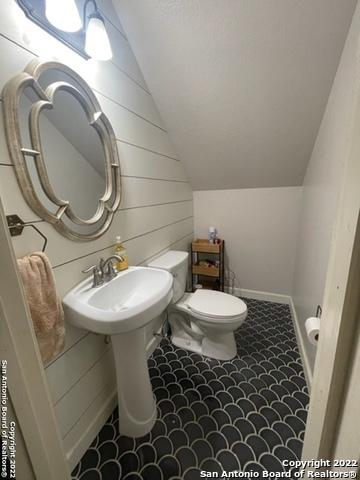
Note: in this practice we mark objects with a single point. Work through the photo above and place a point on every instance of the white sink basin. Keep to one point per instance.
(129, 301)
(122, 308)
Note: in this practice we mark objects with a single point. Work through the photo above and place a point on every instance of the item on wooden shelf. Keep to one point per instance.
(212, 235)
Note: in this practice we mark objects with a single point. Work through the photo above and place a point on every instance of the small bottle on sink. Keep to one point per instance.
(121, 251)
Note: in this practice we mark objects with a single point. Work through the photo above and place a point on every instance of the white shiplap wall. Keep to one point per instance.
(156, 212)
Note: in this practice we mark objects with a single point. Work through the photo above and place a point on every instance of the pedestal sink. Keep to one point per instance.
(122, 308)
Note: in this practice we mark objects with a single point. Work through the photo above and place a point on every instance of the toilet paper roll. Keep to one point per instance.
(312, 327)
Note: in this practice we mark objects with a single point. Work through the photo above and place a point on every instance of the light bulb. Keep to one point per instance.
(97, 44)
(63, 14)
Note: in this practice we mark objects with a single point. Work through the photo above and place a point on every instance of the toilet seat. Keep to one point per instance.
(216, 307)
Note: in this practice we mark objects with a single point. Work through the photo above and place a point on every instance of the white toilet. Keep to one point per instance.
(204, 321)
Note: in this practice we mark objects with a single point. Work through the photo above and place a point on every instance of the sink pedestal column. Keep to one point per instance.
(137, 408)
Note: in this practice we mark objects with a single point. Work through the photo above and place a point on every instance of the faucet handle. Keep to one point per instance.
(101, 264)
(97, 275)
(89, 269)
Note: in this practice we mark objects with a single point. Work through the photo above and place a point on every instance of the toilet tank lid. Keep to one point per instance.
(169, 261)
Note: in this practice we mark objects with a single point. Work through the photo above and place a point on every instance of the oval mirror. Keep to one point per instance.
(63, 148)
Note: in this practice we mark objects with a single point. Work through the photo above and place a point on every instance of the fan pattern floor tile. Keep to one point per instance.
(248, 413)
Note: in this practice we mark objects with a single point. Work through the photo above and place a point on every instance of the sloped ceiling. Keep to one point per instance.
(241, 84)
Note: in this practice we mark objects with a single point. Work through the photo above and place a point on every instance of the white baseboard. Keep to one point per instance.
(287, 300)
(301, 344)
(258, 295)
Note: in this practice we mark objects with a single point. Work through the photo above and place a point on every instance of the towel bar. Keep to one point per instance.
(16, 227)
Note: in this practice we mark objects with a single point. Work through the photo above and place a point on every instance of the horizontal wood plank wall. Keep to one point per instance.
(156, 212)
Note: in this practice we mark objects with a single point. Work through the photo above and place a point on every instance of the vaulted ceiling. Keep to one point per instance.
(241, 84)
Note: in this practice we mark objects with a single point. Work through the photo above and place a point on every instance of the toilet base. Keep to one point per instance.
(199, 337)
(187, 343)
(220, 346)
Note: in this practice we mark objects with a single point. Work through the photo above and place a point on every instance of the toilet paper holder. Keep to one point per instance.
(312, 327)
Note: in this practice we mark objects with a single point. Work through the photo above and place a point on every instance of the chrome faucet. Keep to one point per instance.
(107, 268)
(105, 271)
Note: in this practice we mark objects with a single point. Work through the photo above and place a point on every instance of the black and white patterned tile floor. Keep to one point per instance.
(245, 414)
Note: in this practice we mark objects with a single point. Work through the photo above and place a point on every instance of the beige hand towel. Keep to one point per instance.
(44, 303)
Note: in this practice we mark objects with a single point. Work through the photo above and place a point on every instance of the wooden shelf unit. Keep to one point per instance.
(210, 277)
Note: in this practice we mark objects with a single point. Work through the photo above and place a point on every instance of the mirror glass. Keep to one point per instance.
(67, 146)
(73, 152)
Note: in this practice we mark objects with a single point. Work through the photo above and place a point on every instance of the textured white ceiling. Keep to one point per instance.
(241, 84)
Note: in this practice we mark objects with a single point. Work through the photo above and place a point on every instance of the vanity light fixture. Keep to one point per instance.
(86, 33)
(97, 43)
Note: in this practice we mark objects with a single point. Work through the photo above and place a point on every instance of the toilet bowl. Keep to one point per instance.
(203, 321)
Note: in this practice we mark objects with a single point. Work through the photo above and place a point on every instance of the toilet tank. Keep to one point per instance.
(176, 263)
